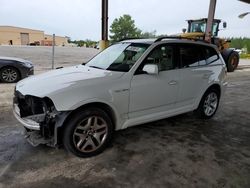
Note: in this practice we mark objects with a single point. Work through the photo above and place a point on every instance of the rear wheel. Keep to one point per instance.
(209, 104)
(87, 133)
(233, 61)
(9, 75)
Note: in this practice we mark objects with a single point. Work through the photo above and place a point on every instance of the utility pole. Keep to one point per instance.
(104, 42)
(210, 20)
(53, 52)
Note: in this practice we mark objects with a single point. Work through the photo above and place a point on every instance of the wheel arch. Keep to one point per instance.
(100, 105)
(197, 110)
(216, 87)
(11, 66)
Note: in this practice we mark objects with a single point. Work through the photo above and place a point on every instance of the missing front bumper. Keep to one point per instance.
(28, 123)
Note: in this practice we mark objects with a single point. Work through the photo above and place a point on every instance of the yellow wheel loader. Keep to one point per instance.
(197, 30)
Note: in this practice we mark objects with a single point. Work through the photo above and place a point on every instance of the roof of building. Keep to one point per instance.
(23, 28)
(48, 35)
(14, 27)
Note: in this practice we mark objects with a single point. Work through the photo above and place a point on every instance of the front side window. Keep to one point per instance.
(118, 57)
(162, 56)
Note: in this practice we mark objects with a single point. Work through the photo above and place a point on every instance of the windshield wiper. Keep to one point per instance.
(96, 67)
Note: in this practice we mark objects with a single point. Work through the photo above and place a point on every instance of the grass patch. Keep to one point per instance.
(245, 56)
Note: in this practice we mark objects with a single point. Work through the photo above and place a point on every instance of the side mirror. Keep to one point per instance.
(184, 30)
(151, 69)
(224, 25)
(243, 15)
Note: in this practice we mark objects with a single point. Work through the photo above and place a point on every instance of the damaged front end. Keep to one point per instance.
(40, 119)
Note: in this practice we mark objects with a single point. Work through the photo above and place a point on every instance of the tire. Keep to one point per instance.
(208, 106)
(9, 75)
(88, 132)
(233, 61)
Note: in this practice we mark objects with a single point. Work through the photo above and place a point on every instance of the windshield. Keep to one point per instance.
(200, 26)
(118, 57)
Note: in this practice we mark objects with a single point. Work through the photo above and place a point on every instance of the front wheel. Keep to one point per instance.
(9, 75)
(208, 105)
(88, 132)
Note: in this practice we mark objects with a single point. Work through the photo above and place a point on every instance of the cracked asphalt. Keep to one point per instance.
(181, 151)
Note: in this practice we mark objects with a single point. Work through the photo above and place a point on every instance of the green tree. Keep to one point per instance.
(124, 27)
(240, 43)
(149, 34)
(68, 39)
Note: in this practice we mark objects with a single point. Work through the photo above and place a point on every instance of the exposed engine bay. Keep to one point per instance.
(39, 117)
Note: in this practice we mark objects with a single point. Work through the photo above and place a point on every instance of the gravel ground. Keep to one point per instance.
(176, 152)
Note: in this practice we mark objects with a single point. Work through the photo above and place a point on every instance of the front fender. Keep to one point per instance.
(95, 100)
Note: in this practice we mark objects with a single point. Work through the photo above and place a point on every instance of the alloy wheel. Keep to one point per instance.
(90, 134)
(9, 75)
(210, 104)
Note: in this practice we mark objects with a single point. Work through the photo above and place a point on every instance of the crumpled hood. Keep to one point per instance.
(63, 79)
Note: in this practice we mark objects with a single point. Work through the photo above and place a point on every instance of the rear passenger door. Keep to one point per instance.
(194, 74)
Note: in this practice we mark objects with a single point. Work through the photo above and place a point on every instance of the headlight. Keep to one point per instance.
(27, 64)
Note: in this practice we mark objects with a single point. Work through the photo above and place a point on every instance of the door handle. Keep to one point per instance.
(172, 82)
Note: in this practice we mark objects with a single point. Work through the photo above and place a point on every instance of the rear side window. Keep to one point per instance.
(196, 55)
(210, 54)
(190, 56)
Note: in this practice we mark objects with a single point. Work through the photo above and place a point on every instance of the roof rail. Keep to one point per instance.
(132, 38)
(177, 37)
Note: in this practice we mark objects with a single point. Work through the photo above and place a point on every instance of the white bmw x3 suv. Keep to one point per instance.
(130, 83)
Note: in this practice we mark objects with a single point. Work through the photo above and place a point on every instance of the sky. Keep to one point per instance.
(81, 19)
